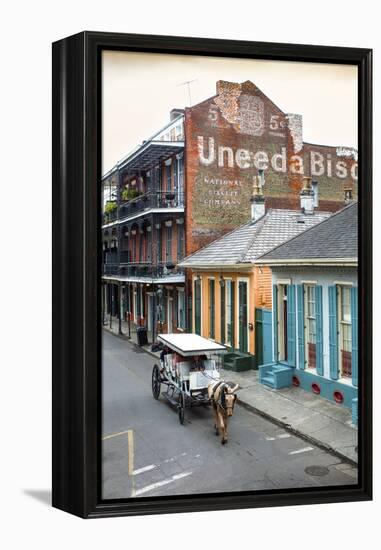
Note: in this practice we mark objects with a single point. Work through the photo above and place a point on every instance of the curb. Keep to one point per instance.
(295, 431)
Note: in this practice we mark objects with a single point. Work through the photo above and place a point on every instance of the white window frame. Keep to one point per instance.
(307, 319)
(340, 323)
(282, 344)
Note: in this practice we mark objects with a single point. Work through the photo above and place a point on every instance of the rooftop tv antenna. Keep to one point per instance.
(187, 83)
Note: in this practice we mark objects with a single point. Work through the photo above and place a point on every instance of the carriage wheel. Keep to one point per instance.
(181, 407)
(156, 382)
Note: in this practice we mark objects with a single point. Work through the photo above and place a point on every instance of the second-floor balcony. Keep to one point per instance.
(145, 272)
(152, 201)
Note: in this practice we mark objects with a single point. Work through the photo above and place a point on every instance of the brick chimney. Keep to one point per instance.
(307, 197)
(257, 200)
(348, 195)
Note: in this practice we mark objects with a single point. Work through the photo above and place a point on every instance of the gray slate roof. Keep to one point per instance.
(334, 238)
(253, 239)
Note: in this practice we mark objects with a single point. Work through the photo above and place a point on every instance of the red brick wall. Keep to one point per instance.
(248, 132)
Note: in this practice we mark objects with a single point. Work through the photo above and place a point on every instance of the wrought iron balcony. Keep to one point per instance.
(143, 270)
(147, 201)
(110, 269)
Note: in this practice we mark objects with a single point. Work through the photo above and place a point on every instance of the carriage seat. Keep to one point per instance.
(184, 368)
(209, 364)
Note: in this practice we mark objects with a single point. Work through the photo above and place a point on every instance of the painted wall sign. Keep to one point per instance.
(229, 137)
(318, 164)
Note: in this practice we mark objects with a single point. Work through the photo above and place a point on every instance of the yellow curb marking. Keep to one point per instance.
(130, 435)
(114, 435)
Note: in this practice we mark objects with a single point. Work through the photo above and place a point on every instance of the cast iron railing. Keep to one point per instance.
(143, 269)
(158, 199)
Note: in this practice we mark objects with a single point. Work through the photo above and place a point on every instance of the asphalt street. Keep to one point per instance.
(147, 452)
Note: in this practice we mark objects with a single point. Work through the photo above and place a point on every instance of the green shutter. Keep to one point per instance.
(291, 326)
(222, 313)
(275, 321)
(197, 307)
(333, 354)
(354, 319)
(319, 330)
(242, 315)
(211, 309)
(232, 320)
(301, 352)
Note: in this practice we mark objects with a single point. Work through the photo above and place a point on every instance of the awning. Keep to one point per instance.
(150, 154)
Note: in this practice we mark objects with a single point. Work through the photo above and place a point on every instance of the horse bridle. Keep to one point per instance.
(223, 397)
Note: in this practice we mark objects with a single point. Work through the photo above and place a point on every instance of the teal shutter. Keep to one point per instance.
(319, 330)
(354, 318)
(291, 326)
(333, 353)
(275, 321)
(301, 352)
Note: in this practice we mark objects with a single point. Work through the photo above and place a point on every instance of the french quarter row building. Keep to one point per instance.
(190, 184)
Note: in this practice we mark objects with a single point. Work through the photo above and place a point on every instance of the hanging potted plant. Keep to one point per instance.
(110, 207)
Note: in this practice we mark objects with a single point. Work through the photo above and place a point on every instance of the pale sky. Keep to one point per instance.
(140, 89)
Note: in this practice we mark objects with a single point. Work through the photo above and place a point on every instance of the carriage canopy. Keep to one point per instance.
(188, 345)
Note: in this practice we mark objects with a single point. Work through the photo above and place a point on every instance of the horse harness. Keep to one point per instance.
(218, 395)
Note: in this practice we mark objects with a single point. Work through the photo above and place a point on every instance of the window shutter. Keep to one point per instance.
(275, 321)
(176, 307)
(222, 313)
(301, 353)
(354, 318)
(333, 363)
(319, 330)
(291, 326)
(197, 307)
(232, 303)
(211, 308)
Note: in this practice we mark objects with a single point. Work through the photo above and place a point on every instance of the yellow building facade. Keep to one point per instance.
(225, 303)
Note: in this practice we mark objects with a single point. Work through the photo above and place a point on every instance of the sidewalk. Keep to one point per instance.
(128, 330)
(317, 420)
(314, 418)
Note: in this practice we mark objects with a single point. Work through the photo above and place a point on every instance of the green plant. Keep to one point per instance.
(110, 207)
(134, 193)
(128, 194)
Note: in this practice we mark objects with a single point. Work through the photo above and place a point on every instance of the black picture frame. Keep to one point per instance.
(76, 272)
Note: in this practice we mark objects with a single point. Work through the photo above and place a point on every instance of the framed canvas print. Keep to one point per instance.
(211, 273)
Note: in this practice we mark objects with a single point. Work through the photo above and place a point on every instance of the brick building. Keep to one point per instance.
(191, 183)
(232, 135)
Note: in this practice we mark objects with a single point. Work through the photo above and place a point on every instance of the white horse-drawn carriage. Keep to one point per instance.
(188, 365)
